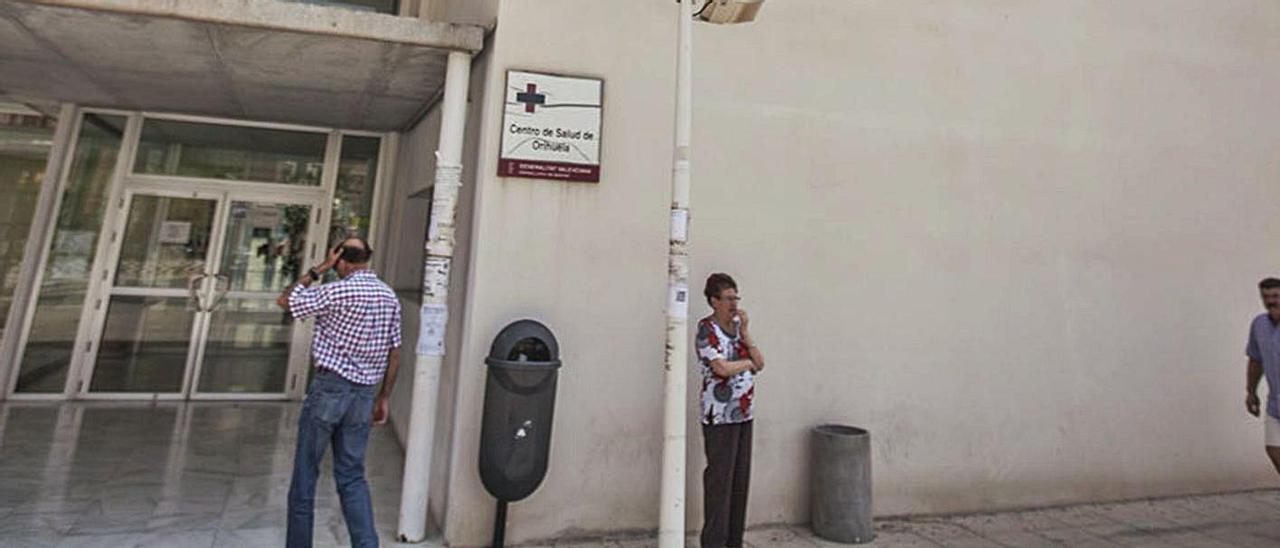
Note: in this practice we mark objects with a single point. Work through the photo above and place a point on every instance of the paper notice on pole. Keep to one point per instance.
(678, 301)
(679, 225)
(434, 318)
(435, 277)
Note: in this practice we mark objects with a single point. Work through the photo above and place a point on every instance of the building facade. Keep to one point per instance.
(163, 188)
(1016, 242)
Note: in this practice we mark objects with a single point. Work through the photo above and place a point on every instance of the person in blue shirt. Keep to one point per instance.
(1264, 359)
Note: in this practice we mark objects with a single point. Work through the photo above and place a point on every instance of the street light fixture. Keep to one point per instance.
(675, 387)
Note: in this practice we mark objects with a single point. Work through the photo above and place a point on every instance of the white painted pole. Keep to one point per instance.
(429, 354)
(671, 514)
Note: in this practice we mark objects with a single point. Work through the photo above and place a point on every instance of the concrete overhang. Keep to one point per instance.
(252, 59)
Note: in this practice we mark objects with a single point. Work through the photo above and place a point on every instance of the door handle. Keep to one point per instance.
(221, 286)
(194, 280)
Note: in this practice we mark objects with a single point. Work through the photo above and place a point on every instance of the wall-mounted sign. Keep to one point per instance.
(551, 127)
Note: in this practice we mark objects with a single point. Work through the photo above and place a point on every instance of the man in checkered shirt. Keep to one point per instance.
(356, 346)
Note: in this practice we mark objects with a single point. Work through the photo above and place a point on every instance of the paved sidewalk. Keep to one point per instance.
(213, 475)
(1246, 519)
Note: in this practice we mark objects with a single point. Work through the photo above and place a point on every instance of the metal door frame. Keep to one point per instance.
(222, 196)
(299, 337)
(56, 165)
(107, 289)
(131, 132)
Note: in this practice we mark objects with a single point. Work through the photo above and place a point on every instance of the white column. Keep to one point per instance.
(430, 351)
(671, 513)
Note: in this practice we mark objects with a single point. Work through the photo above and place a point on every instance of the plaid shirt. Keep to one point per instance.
(357, 324)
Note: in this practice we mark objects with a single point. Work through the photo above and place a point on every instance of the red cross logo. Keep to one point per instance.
(531, 98)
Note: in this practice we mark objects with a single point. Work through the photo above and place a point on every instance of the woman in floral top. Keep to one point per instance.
(730, 362)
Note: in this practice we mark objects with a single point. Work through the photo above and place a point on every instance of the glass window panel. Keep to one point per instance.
(25, 142)
(265, 245)
(353, 199)
(248, 347)
(165, 241)
(144, 345)
(65, 280)
(237, 153)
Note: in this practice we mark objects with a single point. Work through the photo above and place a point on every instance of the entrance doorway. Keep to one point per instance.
(189, 307)
(166, 241)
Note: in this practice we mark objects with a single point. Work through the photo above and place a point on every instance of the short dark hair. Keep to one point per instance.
(716, 283)
(356, 255)
(1268, 283)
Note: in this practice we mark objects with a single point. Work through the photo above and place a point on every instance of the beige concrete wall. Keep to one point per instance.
(1016, 241)
(587, 260)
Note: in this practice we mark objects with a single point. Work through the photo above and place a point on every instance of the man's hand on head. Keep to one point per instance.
(334, 255)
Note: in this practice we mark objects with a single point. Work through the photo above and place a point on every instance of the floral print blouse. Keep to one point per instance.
(724, 400)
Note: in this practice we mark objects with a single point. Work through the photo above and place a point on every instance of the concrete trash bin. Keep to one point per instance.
(840, 484)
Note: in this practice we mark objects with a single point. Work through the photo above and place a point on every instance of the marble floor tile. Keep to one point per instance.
(38, 541)
(38, 524)
(178, 523)
(175, 474)
(259, 536)
(235, 518)
(110, 524)
(97, 541)
(52, 504)
(193, 539)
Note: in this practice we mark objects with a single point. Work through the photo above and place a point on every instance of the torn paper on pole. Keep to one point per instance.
(434, 317)
(435, 279)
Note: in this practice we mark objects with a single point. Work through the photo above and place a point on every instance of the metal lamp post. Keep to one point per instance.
(671, 526)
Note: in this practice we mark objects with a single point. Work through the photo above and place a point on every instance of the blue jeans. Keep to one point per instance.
(336, 413)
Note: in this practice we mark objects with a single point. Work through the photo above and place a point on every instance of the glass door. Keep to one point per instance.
(159, 311)
(190, 310)
(248, 340)
(157, 293)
